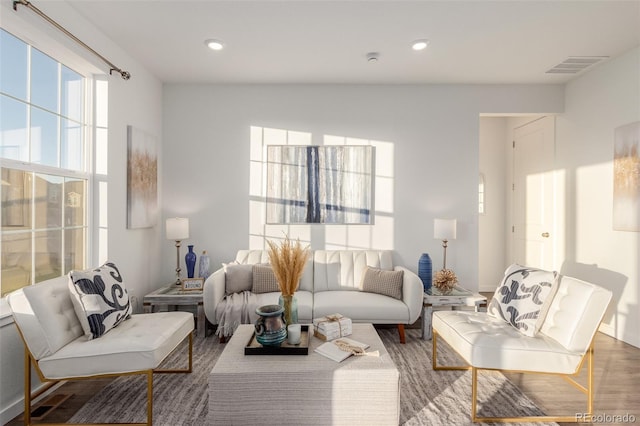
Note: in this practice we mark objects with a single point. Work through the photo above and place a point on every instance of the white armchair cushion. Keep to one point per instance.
(45, 315)
(487, 342)
(524, 297)
(138, 344)
(100, 299)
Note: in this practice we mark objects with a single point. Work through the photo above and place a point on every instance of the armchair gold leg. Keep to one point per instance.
(27, 388)
(588, 390)
(149, 397)
(434, 353)
(181, 370)
(28, 396)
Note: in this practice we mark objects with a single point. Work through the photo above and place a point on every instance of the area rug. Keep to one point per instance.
(427, 397)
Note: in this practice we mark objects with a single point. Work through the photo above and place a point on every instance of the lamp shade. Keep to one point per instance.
(444, 229)
(177, 228)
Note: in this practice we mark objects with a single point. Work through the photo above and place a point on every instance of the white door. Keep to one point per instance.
(533, 194)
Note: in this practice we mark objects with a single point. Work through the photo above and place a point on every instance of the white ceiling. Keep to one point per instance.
(308, 41)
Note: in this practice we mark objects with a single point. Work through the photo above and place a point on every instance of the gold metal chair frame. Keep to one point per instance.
(29, 397)
(587, 390)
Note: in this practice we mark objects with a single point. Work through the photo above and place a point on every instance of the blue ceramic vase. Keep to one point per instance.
(425, 271)
(190, 261)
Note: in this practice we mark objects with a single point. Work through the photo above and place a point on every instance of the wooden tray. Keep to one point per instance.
(255, 348)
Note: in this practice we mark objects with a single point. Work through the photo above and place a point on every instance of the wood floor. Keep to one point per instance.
(617, 387)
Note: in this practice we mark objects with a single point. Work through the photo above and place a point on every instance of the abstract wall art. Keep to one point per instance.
(142, 179)
(320, 184)
(626, 178)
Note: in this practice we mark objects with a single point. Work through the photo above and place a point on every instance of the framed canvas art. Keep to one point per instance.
(142, 179)
(320, 184)
(626, 178)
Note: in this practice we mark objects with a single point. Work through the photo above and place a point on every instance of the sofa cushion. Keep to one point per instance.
(361, 306)
(100, 299)
(264, 280)
(343, 269)
(387, 283)
(238, 278)
(523, 298)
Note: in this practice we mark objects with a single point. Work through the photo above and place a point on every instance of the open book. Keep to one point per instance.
(333, 350)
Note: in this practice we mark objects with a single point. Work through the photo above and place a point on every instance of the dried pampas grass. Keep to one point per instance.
(445, 280)
(288, 261)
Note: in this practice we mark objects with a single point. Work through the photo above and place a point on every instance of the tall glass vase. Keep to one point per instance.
(290, 305)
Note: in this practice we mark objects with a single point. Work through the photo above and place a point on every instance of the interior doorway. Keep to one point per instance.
(533, 202)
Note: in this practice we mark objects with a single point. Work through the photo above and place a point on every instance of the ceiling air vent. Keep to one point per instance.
(575, 64)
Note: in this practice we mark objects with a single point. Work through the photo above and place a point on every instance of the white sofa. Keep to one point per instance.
(331, 284)
(564, 342)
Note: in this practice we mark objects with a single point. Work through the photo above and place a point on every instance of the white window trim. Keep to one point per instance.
(40, 37)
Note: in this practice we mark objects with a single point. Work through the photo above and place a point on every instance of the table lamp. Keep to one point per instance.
(177, 229)
(445, 230)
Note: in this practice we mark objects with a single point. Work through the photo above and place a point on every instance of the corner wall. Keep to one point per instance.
(493, 224)
(596, 104)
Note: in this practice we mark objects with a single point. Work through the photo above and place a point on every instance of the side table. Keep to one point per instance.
(173, 296)
(456, 298)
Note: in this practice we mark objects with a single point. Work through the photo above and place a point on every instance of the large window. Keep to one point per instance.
(45, 169)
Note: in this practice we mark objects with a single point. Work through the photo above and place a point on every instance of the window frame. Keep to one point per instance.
(64, 57)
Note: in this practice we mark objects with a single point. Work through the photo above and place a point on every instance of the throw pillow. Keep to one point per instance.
(238, 277)
(100, 299)
(388, 283)
(264, 280)
(523, 298)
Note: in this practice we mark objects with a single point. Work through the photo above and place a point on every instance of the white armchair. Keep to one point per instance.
(563, 344)
(58, 349)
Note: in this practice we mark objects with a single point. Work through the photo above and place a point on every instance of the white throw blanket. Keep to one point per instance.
(240, 308)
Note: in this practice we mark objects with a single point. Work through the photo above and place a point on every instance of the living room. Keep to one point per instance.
(433, 140)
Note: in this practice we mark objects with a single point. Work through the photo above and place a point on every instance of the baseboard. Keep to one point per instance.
(14, 410)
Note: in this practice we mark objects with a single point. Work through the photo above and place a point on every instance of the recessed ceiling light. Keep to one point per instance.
(214, 44)
(420, 44)
(372, 57)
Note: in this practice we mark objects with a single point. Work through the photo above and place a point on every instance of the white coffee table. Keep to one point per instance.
(304, 389)
(458, 297)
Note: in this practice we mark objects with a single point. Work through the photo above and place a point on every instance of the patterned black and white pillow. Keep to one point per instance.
(523, 298)
(100, 299)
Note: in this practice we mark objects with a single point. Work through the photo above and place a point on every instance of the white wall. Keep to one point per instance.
(137, 102)
(493, 224)
(597, 103)
(433, 132)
